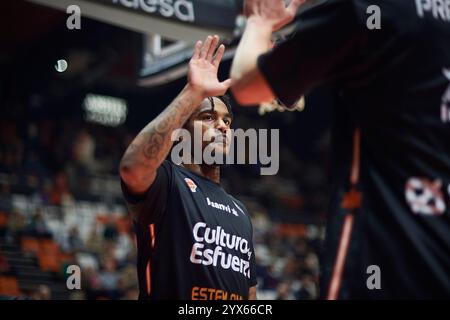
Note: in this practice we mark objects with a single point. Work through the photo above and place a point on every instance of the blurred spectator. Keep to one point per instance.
(131, 293)
(123, 247)
(94, 243)
(77, 295)
(73, 241)
(308, 288)
(90, 281)
(16, 225)
(284, 291)
(87, 261)
(83, 152)
(11, 148)
(110, 233)
(109, 277)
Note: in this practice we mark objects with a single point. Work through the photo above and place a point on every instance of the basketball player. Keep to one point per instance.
(388, 62)
(194, 240)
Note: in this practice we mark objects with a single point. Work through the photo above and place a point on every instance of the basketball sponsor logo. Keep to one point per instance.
(437, 9)
(221, 206)
(424, 196)
(181, 9)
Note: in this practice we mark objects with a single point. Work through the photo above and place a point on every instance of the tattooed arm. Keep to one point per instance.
(152, 145)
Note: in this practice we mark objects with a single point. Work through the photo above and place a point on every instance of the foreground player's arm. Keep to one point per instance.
(252, 293)
(264, 17)
(151, 146)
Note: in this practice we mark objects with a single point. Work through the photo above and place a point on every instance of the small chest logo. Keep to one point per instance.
(191, 184)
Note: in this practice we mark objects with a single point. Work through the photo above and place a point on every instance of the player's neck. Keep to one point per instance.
(210, 172)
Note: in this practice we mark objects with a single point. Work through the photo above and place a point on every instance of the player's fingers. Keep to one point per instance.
(205, 47)
(225, 85)
(293, 7)
(212, 48)
(219, 55)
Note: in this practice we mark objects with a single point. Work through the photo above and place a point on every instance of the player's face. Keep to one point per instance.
(214, 125)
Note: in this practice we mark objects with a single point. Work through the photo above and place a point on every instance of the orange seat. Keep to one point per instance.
(9, 286)
(102, 218)
(30, 244)
(123, 225)
(293, 230)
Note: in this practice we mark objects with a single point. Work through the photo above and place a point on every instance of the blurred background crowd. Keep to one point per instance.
(61, 204)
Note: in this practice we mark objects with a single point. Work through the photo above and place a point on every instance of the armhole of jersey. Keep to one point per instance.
(148, 268)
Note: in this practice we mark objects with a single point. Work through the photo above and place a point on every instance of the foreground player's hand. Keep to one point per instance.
(203, 67)
(272, 12)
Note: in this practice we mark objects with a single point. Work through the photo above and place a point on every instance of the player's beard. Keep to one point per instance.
(222, 164)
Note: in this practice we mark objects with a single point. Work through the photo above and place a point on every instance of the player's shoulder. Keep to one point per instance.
(175, 167)
(181, 172)
(171, 167)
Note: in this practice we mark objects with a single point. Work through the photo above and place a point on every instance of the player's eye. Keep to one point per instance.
(227, 122)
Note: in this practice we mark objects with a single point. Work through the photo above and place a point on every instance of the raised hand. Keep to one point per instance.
(203, 67)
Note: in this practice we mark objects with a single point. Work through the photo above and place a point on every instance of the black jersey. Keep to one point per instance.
(390, 203)
(194, 240)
